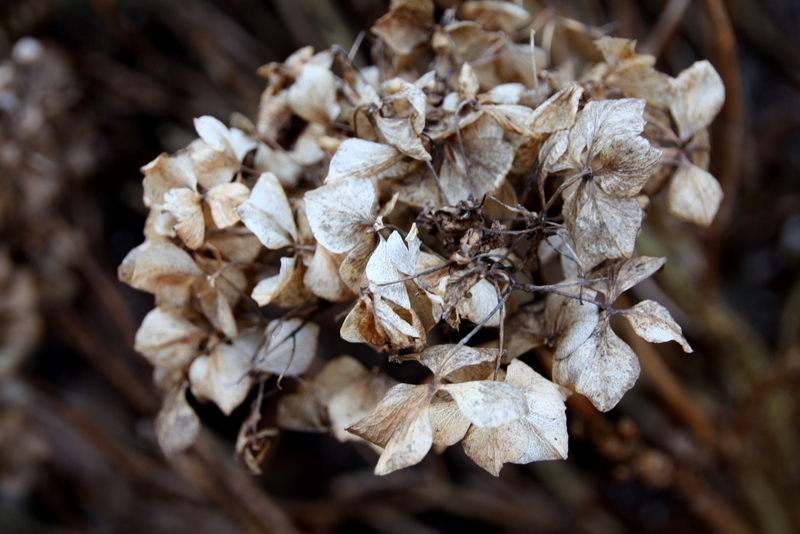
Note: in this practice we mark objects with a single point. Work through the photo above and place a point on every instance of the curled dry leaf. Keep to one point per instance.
(252, 447)
(268, 289)
(379, 322)
(401, 119)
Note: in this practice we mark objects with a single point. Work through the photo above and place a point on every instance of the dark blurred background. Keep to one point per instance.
(91, 90)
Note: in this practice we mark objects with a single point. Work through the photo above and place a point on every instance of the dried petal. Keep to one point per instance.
(313, 94)
(222, 377)
(481, 302)
(168, 340)
(322, 277)
(448, 422)
(603, 368)
(541, 434)
(268, 289)
(267, 213)
(439, 359)
(165, 173)
(340, 213)
(184, 205)
(654, 323)
(557, 112)
(601, 226)
(381, 270)
(162, 269)
(701, 95)
(177, 425)
(400, 424)
(291, 348)
(488, 404)
(694, 195)
(361, 159)
(223, 201)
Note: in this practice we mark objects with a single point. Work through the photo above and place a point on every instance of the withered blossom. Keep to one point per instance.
(429, 192)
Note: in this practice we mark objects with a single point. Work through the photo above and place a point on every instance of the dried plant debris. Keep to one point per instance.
(423, 191)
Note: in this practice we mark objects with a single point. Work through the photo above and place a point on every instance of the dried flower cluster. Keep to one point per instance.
(442, 191)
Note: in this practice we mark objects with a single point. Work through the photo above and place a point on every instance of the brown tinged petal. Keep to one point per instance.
(694, 195)
(223, 200)
(401, 425)
(603, 368)
(486, 403)
(167, 339)
(361, 159)
(322, 277)
(494, 15)
(267, 213)
(445, 359)
(162, 269)
(167, 172)
(701, 95)
(269, 288)
(601, 226)
(291, 347)
(177, 425)
(557, 112)
(653, 322)
(222, 377)
(405, 29)
(184, 205)
(340, 213)
(541, 434)
(312, 96)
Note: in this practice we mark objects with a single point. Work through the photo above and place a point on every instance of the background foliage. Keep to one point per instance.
(704, 442)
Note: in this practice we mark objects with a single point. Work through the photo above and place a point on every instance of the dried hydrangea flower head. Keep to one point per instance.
(422, 191)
